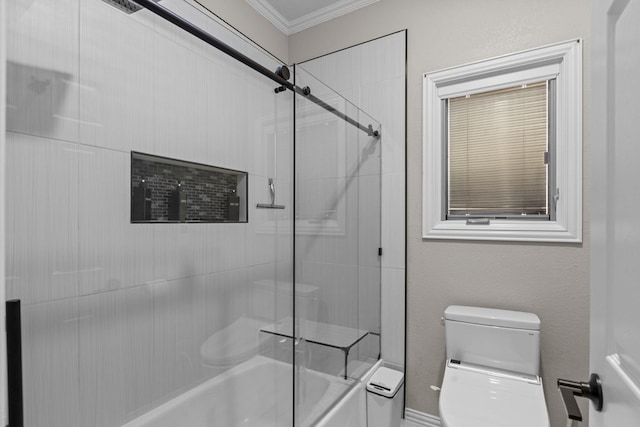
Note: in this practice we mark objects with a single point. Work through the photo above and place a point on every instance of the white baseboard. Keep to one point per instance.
(421, 419)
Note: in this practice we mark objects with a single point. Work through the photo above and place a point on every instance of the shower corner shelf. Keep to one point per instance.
(324, 334)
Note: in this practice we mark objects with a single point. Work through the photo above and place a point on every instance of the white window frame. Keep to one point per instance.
(562, 62)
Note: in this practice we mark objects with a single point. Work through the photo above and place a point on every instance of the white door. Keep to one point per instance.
(615, 202)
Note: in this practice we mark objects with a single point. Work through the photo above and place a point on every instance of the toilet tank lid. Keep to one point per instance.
(493, 317)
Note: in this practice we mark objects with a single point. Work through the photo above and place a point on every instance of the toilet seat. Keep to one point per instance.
(233, 344)
(474, 396)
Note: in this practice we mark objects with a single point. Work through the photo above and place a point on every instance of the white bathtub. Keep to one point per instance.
(351, 409)
(258, 393)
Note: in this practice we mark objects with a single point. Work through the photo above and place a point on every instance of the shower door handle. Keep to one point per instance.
(569, 390)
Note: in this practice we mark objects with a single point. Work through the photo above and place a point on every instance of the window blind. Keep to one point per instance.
(497, 142)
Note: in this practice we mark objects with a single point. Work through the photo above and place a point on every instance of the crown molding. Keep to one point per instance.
(327, 13)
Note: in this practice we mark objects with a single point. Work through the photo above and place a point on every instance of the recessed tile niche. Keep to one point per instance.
(171, 190)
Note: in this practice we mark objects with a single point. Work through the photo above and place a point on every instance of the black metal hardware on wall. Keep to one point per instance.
(306, 92)
(569, 390)
(14, 364)
(281, 76)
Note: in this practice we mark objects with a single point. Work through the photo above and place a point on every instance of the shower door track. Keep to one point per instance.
(180, 22)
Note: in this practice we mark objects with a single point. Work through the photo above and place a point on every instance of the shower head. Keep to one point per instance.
(126, 6)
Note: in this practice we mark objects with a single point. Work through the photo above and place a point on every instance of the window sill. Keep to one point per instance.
(517, 231)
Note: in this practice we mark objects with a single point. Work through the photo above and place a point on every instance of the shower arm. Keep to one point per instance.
(180, 22)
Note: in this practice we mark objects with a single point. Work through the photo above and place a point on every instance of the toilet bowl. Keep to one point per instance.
(234, 344)
(241, 339)
(491, 375)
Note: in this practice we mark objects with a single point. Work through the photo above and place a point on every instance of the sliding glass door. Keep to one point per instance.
(337, 243)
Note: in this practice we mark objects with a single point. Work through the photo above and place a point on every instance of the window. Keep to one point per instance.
(502, 148)
(497, 152)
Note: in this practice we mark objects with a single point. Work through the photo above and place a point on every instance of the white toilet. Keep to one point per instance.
(491, 378)
(270, 301)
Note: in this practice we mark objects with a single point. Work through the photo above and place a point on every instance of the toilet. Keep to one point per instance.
(491, 377)
(270, 300)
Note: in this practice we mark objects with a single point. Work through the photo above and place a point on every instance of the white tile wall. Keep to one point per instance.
(369, 299)
(179, 318)
(231, 250)
(393, 313)
(50, 364)
(320, 150)
(338, 291)
(263, 133)
(369, 223)
(116, 79)
(262, 243)
(173, 251)
(393, 128)
(369, 287)
(42, 53)
(311, 194)
(342, 265)
(198, 239)
(228, 129)
(193, 12)
(219, 122)
(42, 218)
(113, 253)
(342, 195)
(369, 148)
(309, 247)
(266, 298)
(339, 70)
(283, 117)
(116, 354)
(226, 298)
(180, 104)
(372, 75)
(393, 220)
(257, 117)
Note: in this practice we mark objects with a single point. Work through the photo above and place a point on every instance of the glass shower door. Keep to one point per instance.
(337, 244)
(151, 323)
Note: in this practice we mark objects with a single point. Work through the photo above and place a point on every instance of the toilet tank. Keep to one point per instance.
(493, 338)
(272, 300)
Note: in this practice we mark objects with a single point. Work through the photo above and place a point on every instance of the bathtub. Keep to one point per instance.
(351, 409)
(258, 393)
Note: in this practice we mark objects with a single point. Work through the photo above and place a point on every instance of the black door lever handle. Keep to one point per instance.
(569, 390)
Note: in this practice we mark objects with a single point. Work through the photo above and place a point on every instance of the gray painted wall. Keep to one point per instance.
(551, 280)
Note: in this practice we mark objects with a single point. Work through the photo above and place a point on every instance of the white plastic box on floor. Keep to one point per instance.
(385, 398)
